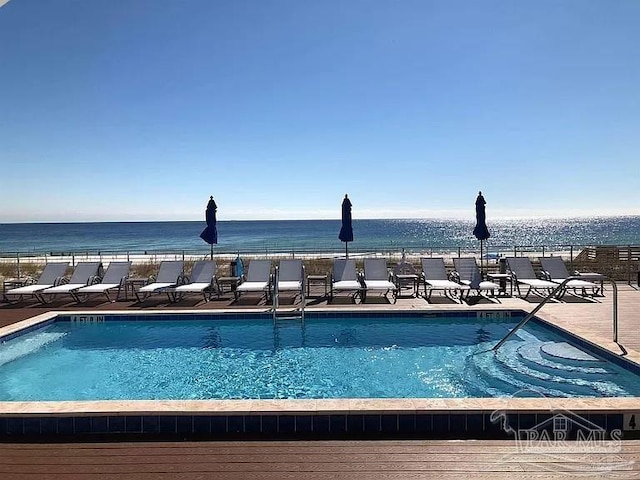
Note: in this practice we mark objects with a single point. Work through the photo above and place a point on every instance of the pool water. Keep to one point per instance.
(349, 357)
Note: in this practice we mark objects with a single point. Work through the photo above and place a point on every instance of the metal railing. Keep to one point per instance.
(268, 249)
(553, 295)
(276, 298)
(612, 260)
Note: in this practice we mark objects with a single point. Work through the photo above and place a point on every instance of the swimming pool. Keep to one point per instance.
(392, 355)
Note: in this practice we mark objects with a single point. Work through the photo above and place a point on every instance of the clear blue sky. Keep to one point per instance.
(141, 109)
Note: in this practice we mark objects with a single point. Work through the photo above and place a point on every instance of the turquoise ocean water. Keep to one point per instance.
(314, 235)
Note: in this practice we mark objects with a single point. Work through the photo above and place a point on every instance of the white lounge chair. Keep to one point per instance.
(258, 279)
(555, 270)
(291, 276)
(51, 276)
(435, 277)
(168, 276)
(344, 277)
(114, 277)
(84, 274)
(377, 277)
(202, 280)
(469, 274)
(522, 274)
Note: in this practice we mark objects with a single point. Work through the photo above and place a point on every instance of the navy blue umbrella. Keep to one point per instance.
(346, 232)
(481, 232)
(210, 233)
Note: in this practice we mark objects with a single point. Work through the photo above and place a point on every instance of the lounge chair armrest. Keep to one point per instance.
(60, 281)
(454, 277)
(545, 275)
(123, 280)
(93, 279)
(183, 280)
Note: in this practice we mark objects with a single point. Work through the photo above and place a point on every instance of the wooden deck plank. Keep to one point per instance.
(142, 457)
(265, 460)
(297, 476)
(405, 447)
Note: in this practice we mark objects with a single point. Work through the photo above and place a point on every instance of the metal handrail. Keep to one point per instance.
(615, 312)
(552, 295)
(276, 295)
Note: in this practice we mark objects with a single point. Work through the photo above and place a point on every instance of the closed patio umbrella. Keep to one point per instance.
(346, 232)
(210, 233)
(481, 232)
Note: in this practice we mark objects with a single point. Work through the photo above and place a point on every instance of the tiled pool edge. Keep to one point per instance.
(451, 418)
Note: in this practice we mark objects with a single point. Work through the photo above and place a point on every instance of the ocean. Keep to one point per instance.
(314, 236)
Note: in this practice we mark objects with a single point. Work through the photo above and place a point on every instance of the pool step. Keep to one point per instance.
(515, 365)
(286, 317)
(568, 354)
(532, 356)
(485, 373)
(509, 358)
(477, 376)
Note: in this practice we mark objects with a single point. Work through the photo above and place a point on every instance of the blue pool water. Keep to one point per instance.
(348, 357)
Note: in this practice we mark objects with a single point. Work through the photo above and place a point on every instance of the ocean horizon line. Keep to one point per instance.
(408, 219)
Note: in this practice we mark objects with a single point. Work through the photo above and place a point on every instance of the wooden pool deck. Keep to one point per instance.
(310, 460)
(372, 459)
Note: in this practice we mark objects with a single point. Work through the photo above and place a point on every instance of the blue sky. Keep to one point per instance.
(141, 109)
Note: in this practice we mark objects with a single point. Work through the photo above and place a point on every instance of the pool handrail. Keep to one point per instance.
(276, 297)
(552, 295)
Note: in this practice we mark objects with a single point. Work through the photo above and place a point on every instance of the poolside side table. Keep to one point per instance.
(132, 284)
(502, 279)
(10, 283)
(230, 282)
(407, 281)
(317, 280)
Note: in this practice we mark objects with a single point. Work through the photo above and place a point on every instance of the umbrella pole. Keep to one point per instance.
(481, 267)
(212, 251)
(346, 249)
